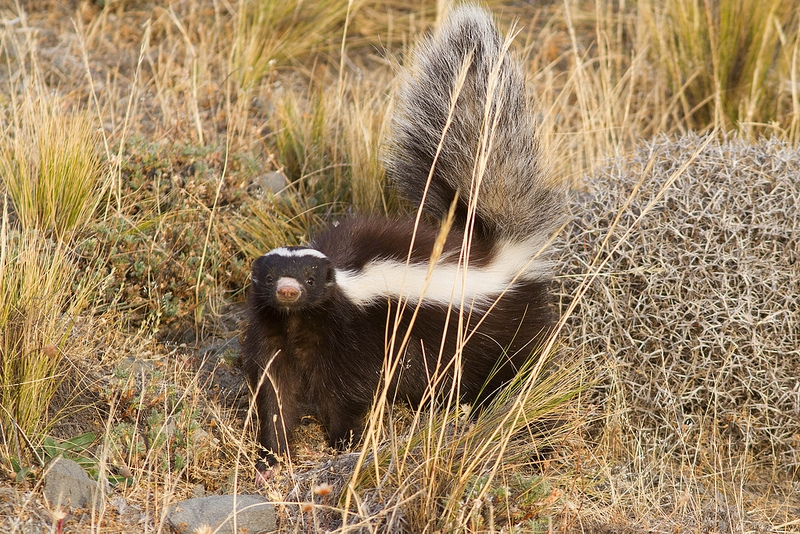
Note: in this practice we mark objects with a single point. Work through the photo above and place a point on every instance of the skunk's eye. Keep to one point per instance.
(268, 280)
(310, 281)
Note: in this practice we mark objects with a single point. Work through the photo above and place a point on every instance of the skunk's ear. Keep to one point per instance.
(256, 268)
(330, 275)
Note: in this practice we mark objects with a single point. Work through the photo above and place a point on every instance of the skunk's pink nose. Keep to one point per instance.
(288, 290)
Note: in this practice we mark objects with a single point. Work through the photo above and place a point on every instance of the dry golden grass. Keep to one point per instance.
(51, 168)
(224, 129)
(44, 293)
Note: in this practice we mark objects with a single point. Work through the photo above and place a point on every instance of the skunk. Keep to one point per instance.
(327, 319)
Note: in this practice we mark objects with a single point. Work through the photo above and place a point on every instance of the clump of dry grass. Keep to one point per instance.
(726, 61)
(692, 321)
(52, 179)
(610, 76)
(327, 164)
(271, 34)
(43, 293)
(50, 166)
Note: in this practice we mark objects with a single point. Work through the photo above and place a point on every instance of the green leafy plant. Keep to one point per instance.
(75, 448)
(72, 448)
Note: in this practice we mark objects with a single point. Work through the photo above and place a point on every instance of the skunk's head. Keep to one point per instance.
(292, 279)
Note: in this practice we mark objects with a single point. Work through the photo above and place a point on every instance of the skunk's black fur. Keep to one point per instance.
(321, 316)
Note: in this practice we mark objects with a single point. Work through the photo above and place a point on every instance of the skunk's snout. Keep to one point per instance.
(288, 290)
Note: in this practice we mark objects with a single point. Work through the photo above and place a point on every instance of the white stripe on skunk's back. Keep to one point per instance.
(449, 282)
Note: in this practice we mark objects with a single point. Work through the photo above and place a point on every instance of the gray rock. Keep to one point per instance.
(67, 484)
(272, 181)
(254, 514)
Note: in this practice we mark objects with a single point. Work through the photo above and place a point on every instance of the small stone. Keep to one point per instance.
(67, 484)
(254, 514)
(272, 181)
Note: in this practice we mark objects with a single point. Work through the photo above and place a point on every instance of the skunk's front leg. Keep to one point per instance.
(278, 404)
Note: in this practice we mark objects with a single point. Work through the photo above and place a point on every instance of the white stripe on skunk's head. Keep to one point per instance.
(296, 252)
(289, 279)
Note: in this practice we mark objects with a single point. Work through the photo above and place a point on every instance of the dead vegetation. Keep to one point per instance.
(691, 326)
(224, 129)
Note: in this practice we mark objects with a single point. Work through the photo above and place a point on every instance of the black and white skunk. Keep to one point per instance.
(322, 317)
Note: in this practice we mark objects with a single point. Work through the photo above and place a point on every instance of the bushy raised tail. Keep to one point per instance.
(462, 112)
